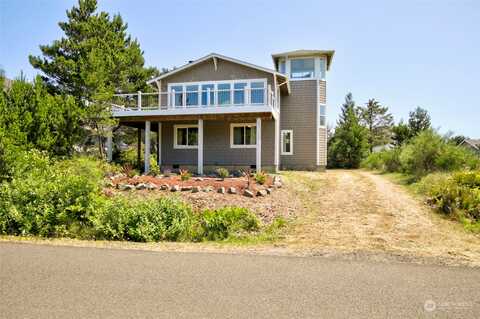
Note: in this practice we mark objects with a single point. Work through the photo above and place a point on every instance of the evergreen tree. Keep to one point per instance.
(418, 121)
(95, 59)
(348, 145)
(378, 122)
(401, 133)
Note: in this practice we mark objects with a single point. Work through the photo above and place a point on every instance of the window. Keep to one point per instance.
(243, 135)
(281, 66)
(323, 115)
(239, 93)
(287, 142)
(223, 93)
(215, 93)
(178, 95)
(192, 94)
(185, 136)
(257, 92)
(302, 68)
(208, 100)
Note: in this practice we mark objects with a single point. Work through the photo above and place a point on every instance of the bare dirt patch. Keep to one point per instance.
(355, 211)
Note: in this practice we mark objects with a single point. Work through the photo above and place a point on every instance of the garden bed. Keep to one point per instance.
(274, 201)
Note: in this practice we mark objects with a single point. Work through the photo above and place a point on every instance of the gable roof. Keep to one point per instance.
(474, 143)
(219, 56)
(303, 52)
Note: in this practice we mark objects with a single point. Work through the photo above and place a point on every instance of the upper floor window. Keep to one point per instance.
(323, 115)
(302, 68)
(282, 67)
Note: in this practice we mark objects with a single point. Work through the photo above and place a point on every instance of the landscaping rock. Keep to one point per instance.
(126, 187)
(262, 193)
(186, 188)
(269, 191)
(141, 186)
(196, 189)
(199, 179)
(164, 187)
(248, 193)
(151, 186)
(232, 190)
(221, 190)
(175, 188)
(208, 189)
(277, 184)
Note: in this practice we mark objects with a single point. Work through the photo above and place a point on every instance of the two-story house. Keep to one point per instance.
(218, 111)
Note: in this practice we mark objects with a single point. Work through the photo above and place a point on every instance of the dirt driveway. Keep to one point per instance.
(357, 211)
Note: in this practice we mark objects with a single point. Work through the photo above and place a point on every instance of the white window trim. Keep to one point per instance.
(233, 125)
(281, 142)
(318, 74)
(215, 88)
(314, 77)
(177, 126)
(320, 115)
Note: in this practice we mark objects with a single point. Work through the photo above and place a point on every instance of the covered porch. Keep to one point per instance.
(202, 143)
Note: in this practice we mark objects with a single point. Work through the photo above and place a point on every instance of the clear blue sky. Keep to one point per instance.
(403, 53)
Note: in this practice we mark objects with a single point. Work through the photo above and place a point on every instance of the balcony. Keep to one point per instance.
(193, 102)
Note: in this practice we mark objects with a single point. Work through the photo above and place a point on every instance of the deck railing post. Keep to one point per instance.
(139, 100)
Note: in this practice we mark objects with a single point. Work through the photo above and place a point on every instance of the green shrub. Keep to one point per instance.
(129, 157)
(374, 161)
(49, 198)
(222, 173)
(388, 161)
(260, 177)
(450, 193)
(228, 221)
(144, 220)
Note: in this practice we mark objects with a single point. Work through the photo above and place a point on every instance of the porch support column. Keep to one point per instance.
(159, 145)
(258, 163)
(147, 147)
(200, 147)
(109, 146)
(139, 148)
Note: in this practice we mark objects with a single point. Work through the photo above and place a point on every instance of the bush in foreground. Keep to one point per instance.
(456, 194)
(228, 221)
(63, 198)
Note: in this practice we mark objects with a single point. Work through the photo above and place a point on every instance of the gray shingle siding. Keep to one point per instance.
(298, 113)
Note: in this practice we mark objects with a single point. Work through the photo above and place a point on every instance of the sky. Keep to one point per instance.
(402, 53)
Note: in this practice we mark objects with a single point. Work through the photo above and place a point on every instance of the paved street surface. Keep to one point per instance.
(39, 281)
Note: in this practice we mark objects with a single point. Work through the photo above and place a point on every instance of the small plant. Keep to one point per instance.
(225, 222)
(185, 175)
(261, 177)
(247, 172)
(128, 170)
(222, 173)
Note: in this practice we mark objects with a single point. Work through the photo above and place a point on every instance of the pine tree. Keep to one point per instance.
(378, 122)
(348, 145)
(400, 133)
(418, 121)
(95, 59)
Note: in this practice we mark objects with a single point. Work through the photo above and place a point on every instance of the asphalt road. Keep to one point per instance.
(38, 281)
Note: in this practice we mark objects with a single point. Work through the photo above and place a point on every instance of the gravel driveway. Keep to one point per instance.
(359, 211)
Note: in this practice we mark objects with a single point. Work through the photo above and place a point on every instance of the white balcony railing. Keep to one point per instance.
(209, 98)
